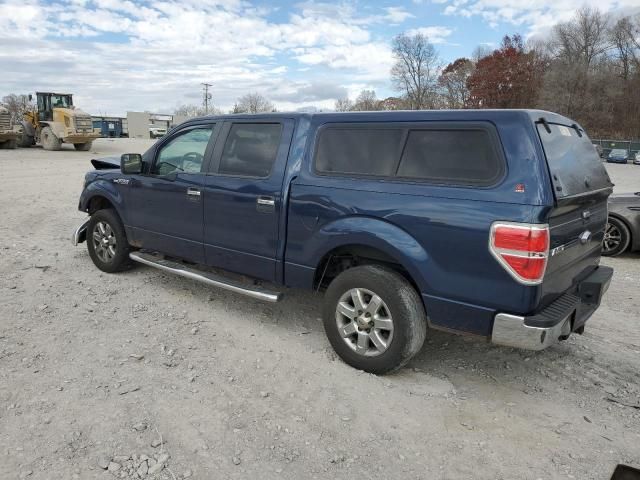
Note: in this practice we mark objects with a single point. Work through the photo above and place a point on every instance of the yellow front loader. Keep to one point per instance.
(54, 121)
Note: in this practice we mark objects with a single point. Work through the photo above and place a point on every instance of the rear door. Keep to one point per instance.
(243, 196)
(577, 221)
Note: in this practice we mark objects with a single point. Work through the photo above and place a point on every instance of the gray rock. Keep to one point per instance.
(26, 473)
(142, 469)
(103, 462)
(114, 467)
(121, 458)
(236, 460)
(155, 468)
(140, 427)
(187, 474)
(156, 442)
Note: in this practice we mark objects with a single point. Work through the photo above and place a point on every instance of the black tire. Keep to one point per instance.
(616, 238)
(49, 140)
(26, 141)
(401, 303)
(101, 255)
(83, 147)
(11, 144)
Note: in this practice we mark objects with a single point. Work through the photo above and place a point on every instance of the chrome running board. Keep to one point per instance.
(216, 280)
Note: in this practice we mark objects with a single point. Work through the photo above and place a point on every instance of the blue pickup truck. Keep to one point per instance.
(485, 222)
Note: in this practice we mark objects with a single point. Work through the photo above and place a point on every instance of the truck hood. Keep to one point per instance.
(106, 163)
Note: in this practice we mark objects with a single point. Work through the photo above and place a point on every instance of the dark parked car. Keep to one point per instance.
(618, 155)
(485, 222)
(623, 227)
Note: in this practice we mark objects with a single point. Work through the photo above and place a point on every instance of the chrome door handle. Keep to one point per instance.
(193, 191)
(266, 201)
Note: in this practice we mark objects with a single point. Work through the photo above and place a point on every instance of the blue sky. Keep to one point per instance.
(123, 55)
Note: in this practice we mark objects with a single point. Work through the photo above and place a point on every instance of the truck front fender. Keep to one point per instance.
(106, 190)
(374, 233)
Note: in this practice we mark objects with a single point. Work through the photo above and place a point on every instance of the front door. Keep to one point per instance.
(243, 196)
(166, 201)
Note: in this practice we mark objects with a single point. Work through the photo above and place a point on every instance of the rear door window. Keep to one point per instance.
(465, 157)
(574, 164)
(250, 149)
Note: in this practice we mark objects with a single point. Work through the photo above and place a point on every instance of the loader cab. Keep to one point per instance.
(48, 101)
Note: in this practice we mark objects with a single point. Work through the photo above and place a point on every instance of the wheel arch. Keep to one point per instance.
(101, 194)
(353, 241)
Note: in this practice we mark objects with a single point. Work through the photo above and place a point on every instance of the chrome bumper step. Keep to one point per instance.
(209, 278)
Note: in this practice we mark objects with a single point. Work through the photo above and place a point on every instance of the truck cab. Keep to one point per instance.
(478, 222)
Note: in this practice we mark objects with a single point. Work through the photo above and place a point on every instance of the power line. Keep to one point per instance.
(206, 96)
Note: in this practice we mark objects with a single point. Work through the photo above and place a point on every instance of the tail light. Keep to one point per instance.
(522, 249)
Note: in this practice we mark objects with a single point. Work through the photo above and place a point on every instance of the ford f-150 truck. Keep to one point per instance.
(485, 222)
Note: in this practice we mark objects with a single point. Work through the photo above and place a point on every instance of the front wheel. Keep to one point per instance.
(49, 140)
(374, 318)
(107, 242)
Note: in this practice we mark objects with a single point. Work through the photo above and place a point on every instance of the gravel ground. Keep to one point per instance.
(143, 374)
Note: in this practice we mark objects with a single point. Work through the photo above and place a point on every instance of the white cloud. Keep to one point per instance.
(435, 34)
(121, 55)
(534, 16)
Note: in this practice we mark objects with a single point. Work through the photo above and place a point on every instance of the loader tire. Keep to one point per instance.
(49, 140)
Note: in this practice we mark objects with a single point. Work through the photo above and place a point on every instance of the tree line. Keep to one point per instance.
(587, 69)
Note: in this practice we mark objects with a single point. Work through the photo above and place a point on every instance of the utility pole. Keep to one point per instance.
(206, 97)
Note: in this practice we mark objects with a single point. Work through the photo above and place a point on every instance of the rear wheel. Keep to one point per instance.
(83, 147)
(11, 144)
(49, 140)
(107, 242)
(616, 238)
(374, 318)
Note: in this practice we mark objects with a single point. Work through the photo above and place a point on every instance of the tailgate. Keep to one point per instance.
(577, 221)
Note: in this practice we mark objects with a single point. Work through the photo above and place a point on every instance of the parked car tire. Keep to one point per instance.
(616, 237)
(107, 241)
(374, 318)
(83, 147)
(49, 140)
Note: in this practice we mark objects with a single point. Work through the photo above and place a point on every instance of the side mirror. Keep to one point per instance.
(131, 163)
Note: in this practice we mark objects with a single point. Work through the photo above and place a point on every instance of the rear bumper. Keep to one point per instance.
(565, 315)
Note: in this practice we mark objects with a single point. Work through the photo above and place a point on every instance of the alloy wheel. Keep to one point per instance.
(104, 241)
(364, 322)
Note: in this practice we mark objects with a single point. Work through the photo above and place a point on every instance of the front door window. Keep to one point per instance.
(184, 153)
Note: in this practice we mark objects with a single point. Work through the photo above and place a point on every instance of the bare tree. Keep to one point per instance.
(17, 104)
(625, 37)
(366, 101)
(343, 105)
(253, 103)
(415, 72)
(454, 82)
(191, 110)
(584, 38)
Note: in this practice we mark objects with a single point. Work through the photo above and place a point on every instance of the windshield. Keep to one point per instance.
(574, 164)
(61, 101)
(618, 151)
